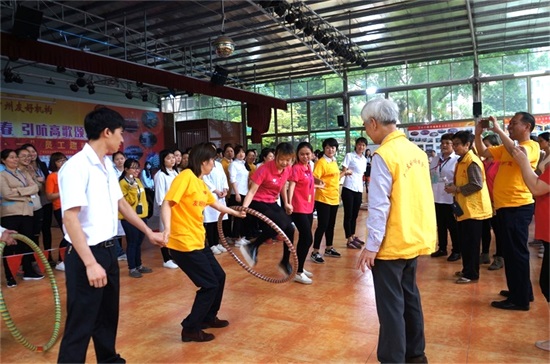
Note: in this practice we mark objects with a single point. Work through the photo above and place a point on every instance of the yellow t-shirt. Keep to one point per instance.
(509, 189)
(328, 172)
(190, 196)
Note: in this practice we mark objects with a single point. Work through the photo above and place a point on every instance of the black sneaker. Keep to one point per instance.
(439, 253)
(332, 253)
(32, 276)
(317, 258)
(10, 282)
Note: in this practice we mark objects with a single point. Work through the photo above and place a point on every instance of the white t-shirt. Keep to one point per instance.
(357, 164)
(216, 180)
(442, 169)
(87, 183)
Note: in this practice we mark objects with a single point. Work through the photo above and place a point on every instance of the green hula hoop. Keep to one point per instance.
(57, 303)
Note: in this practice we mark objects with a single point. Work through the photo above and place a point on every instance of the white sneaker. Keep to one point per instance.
(302, 278)
(60, 266)
(308, 274)
(170, 264)
(122, 257)
(215, 250)
(241, 242)
(221, 248)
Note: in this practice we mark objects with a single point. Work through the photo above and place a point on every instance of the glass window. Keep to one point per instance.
(515, 63)
(462, 99)
(417, 105)
(334, 85)
(400, 98)
(490, 66)
(376, 80)
(418, 75)
(539, 61)
(441, 103)
(356, 104)
(439, 72)
(282, 90)
(515, 95)
(397, 76)
(316, 87)
(462, 68)
(357, 82)
(492, 98)
(540, 89)
(298, 89)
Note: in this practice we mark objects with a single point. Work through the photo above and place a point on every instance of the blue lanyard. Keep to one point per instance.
(19, 179)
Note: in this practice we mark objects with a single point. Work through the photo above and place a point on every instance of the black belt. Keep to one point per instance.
(106, 244)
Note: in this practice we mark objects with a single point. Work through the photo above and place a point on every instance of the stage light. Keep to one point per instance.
(301, 22)
(309, 28)
(50, 82)
(144, 95)
(291, 17)
(281, 8)
(80, 81)
(74, 87)
(61, 69)
(91, 88)
(17, 78)
(129, 95)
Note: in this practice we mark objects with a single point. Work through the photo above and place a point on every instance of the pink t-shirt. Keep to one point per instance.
(542, 206)
(303, 197)
(270, 181)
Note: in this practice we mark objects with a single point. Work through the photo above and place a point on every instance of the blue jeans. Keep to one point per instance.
(134, 238)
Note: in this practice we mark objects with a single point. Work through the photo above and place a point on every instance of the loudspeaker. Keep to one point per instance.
(27, 22)
(477, 109)
(342, 122)
(219, 77)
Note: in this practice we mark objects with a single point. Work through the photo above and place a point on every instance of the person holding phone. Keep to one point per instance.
(134, 193)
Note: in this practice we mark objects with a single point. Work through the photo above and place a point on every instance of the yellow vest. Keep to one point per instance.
(476, 206)
(411, 228)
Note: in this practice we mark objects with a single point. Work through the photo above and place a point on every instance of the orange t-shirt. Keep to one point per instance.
(52, 186)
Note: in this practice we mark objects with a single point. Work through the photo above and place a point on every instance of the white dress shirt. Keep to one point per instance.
(442, 169)
(216, 181)
(87, 183)
(357, 164)
(379, 203)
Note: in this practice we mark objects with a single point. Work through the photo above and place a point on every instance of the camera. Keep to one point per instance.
(485, 123)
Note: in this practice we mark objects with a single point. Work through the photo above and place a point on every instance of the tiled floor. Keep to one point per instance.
(333, 320)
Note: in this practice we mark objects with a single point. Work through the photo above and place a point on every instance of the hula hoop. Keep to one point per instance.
(4, 310)
(272, 225)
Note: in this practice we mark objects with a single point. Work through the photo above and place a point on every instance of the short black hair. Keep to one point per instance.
(527, 118)
(465, 136)
(100, 119)
(57, 156)
(200, 153)
(285, 149)
(162, 155)
(331, 142)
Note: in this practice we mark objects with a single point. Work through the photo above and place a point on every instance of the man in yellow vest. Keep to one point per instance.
(514, 204)
(401, 226)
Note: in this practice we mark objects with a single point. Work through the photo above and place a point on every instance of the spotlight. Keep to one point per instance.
(129, 95)
(17, 78)
(319, 34)
(80, 81)
(139, 84)
(291, 17)
(61, 69)
(50, 82)
(301, 22)
(74, 87)
(8, 75)
(91, 88)
(80, 74)
(144, 96)
(365, 63)
(266, 4)
(308, 29)
(281, 8)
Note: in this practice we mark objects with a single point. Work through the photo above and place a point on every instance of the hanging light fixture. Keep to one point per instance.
(224, 45)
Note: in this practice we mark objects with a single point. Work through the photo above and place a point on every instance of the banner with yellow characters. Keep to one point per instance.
(428, 137)
(542, 123)
(58, 126)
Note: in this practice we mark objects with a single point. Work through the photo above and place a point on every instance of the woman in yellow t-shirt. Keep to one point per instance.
(182, 216)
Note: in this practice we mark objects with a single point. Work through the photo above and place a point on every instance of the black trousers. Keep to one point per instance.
(212, 235)
(352, 203)
(37, 220)
(134, 238)
(486, 236)
(59, 219)
(24, 226)
(399, 310)
(326, 220)
(303, 224)
(446, 222)
(278, 215)
(469, 233)
(47, 210)
(239, 225)
(91, 312)
(205, 272)
(514, 230)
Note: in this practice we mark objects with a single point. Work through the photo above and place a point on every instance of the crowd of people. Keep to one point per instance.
(478, 182)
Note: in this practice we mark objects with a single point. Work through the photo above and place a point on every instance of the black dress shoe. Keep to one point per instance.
(453, 257)
(216, 324)
(507, 305)
(439, 253)
(198, 336)
(506, 293)
(417, 359)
